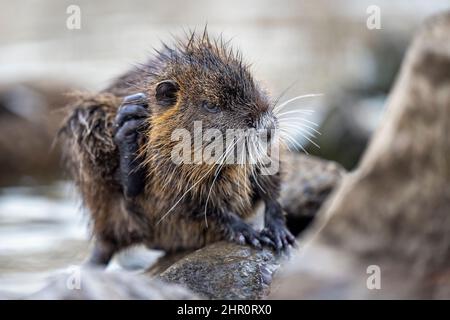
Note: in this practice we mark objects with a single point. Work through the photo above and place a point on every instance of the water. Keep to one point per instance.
(42, 231)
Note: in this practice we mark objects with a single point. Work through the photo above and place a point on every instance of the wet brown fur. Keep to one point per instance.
(203, 68)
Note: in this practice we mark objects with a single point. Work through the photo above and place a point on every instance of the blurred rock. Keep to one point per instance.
(29, 120)
(99, 285)
(225, 271)
(308, 181)
(355, 110)
(386, 231)
(347, 127)
(135, 258)
(4, 296)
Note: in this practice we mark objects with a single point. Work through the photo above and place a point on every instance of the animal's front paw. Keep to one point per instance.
(242, 233)
(131, 119)
(279, 235)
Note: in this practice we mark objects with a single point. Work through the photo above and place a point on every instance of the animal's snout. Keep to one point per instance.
(266, 126)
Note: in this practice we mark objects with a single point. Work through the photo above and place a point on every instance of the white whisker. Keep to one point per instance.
(298, 119)
(285, 122)
(301, 111)
(279, 107)
(293, 141)
(300, 130)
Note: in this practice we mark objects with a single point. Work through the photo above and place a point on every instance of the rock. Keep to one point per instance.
(354, 109)
(166, 261)
(29, 120)
(386, 231)
(225, 271)
(135, 258)
(7, 296)
(99, 285)
(308, 181)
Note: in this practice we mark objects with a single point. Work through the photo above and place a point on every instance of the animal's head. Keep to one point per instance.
(205, 82)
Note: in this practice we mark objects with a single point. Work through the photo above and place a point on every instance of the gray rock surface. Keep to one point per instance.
(225, 271)
(96, 284)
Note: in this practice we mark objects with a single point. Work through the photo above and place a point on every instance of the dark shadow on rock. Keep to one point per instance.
(307, 183)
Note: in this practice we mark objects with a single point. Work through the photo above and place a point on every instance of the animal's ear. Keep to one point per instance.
(166, 93)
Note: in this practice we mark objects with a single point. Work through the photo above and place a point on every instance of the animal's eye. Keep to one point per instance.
(210, 107)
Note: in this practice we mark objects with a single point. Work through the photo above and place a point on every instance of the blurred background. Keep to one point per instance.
(304, 46)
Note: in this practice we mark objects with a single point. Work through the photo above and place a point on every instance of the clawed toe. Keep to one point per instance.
(275, 236)
(280, 237)
(246, 235)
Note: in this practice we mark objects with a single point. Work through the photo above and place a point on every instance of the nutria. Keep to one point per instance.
(118, 146)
